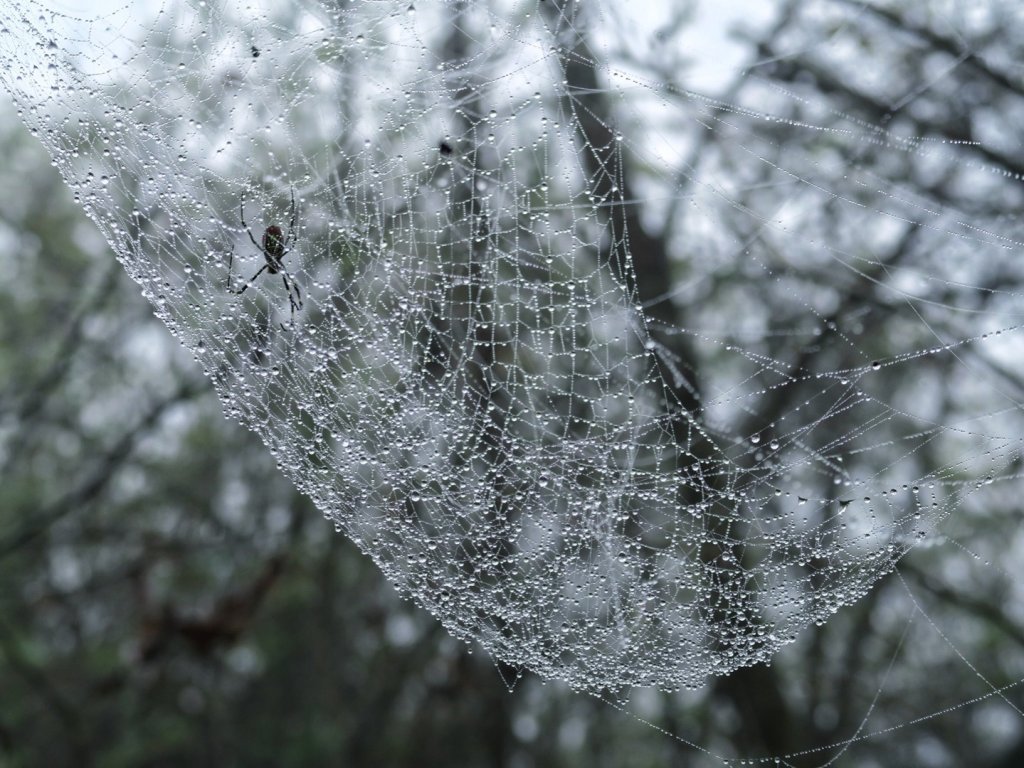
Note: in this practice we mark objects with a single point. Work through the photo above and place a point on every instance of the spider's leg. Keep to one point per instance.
(231, 261)
(250, 281)
(298, 291)
(241, 215)
(296, 304)
(291, 302)
(292, 233)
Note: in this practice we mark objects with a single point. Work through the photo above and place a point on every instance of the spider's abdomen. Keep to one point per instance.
(273, 247)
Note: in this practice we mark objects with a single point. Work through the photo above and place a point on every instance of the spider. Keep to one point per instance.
(275, 247)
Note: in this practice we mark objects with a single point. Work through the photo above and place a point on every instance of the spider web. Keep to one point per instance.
(626, 383)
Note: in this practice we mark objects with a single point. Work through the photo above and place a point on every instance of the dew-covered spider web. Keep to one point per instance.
(626, 381)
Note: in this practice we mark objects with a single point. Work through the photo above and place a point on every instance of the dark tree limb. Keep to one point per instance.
(102, 472)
